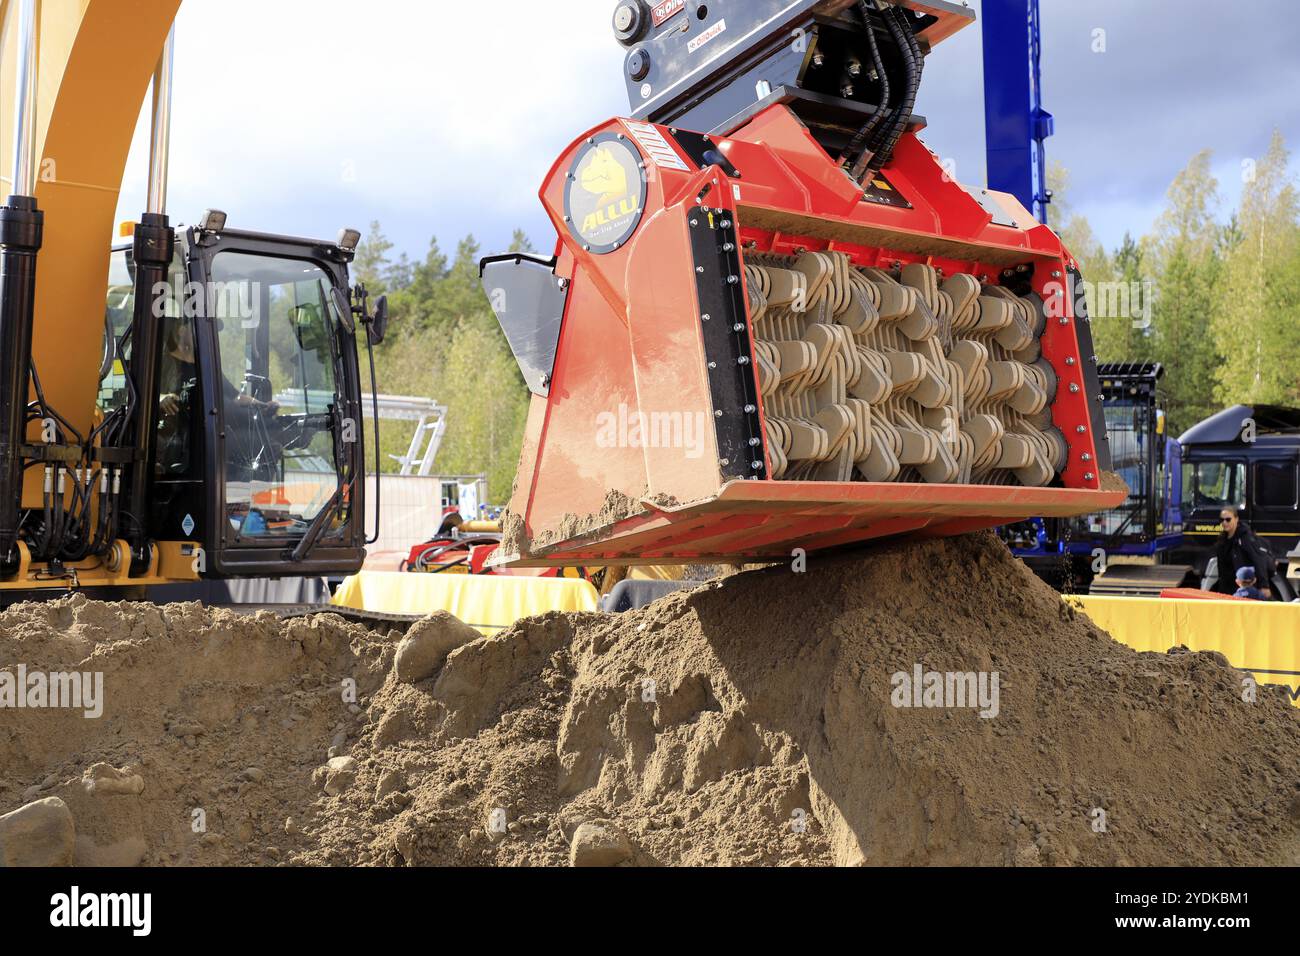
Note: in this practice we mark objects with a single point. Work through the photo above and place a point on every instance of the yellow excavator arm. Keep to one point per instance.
(96, 62)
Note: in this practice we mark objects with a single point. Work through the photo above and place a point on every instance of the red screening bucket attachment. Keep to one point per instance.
(738, 352)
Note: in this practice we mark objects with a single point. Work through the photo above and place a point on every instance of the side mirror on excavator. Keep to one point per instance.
(377, 328)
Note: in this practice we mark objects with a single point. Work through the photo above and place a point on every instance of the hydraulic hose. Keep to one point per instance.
(915, 61)
(867, 159)
(854, 149)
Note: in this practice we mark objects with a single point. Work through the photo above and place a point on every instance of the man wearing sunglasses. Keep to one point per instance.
(1238, 547)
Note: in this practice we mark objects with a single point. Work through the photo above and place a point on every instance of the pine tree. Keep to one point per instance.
(415, 304)
(1122, 337)
(521, 243)
(401, 274)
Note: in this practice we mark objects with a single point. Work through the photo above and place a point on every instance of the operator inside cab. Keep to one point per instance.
(177, 380)
(178, 384)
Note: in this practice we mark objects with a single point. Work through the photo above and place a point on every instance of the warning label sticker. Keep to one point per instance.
(653, 142)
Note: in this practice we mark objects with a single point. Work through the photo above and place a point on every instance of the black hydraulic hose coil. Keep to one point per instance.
(915, 67)
(867, 159)
(854, 149)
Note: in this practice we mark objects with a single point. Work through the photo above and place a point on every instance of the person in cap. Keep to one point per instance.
(1246, 578)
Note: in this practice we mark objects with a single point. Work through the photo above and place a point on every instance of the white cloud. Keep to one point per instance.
(301, 116)
(436, 118)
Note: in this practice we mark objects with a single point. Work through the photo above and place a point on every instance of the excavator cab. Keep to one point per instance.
(774, 323)
(219, 435)
(257, 413)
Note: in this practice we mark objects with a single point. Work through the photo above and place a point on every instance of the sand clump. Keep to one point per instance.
(616, 507)
(751, 721)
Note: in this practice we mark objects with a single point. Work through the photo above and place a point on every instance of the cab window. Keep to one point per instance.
(1129, 428)
(1275, 485)
(1213, 485)
(279, 365)
(119, 311)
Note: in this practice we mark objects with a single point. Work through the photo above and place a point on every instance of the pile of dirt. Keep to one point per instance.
(765, 718)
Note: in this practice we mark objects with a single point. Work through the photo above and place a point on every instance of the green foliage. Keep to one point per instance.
(488, 419)
(1123, 335)
(1215, 302)
(445, 343)
(521, 243)
(1257, 305)
(1182, 339)
(1182, 254)
(372, 265)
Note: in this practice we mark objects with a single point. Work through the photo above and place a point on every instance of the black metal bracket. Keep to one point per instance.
(704, 152)
(53, 454)
(724, 324)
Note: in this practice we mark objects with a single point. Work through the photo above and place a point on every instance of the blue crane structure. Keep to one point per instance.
(1149, 525)
(1015, 124)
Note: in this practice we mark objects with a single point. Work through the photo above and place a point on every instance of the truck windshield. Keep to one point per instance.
(1214, 485)
(280, 366)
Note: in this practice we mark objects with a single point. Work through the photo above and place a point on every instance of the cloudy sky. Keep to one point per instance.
(440, 118)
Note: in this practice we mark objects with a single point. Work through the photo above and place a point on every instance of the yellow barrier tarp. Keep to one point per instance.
(1262, 638)
(489, 603)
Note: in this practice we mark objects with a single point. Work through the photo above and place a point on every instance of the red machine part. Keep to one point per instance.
(633, 340)
(468, 556)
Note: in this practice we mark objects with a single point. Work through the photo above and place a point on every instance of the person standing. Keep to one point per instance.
(1238, 547)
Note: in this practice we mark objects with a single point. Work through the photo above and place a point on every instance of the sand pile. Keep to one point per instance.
(756, 720)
